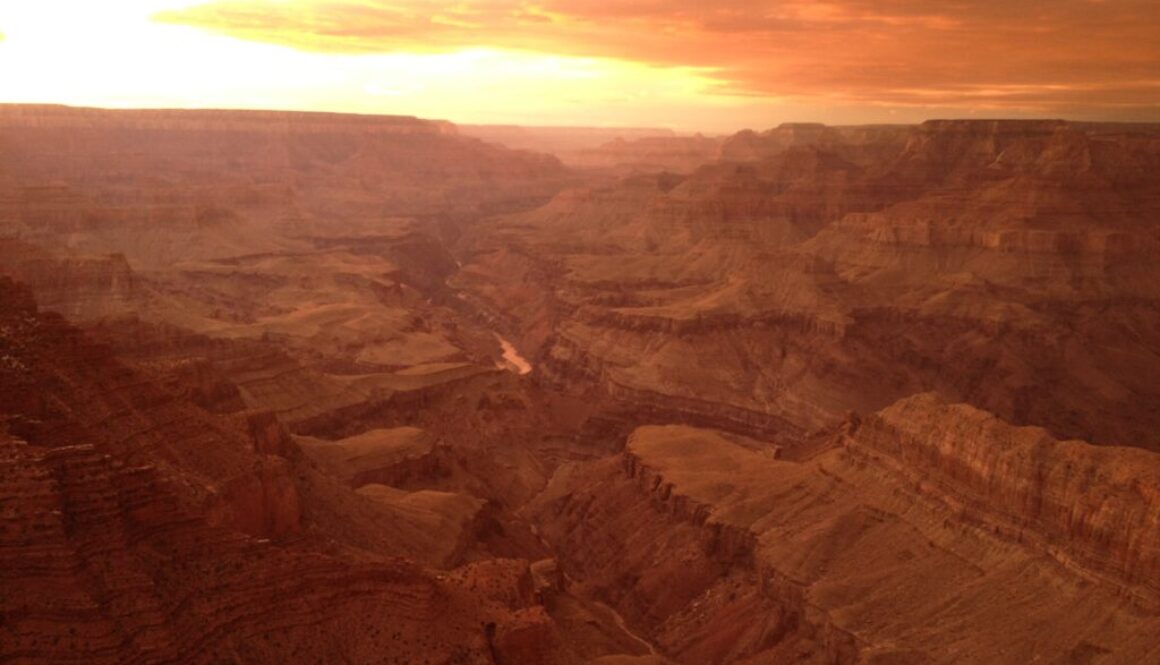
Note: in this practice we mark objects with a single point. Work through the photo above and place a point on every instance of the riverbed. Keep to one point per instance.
(512, 358)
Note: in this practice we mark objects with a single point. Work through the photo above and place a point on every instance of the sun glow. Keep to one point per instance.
(718, 67)
(119, 57)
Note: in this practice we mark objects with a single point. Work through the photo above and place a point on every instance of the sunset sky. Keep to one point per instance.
(687, 64)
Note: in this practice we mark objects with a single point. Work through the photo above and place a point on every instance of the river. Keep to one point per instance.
(512, 358)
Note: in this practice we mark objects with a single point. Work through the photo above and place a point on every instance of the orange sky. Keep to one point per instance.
(688, 64)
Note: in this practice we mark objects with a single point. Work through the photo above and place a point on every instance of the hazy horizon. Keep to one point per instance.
(654, 129)
(666, 64)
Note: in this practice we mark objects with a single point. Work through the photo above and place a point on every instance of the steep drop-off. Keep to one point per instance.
(136, 526)
(928, 533)
(842, 270)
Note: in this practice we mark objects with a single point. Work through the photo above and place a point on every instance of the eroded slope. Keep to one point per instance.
(930, 533)
(984, 260)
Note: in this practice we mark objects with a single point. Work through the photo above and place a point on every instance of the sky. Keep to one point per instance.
(691, 65)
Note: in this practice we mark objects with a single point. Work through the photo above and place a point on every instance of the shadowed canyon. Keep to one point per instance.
(284, 387)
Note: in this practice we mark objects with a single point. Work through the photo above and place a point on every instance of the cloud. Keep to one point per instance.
(1018, 54)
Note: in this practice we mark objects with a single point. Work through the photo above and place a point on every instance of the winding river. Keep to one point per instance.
(512, 358)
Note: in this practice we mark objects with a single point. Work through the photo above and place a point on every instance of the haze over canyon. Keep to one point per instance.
(287, 387)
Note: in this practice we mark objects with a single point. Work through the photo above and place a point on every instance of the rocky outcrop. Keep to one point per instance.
(451, 522)
(383, 456)
(923, 512)
(862, 144)
(101, 566)
(77, 286)
(650, 154)
(263, 504)
(1095, 510)
(679, 575)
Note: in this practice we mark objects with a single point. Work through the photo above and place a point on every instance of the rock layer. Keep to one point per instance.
(820, 270)
(931, 533)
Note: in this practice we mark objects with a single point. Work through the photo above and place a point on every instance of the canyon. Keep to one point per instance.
(300, 388)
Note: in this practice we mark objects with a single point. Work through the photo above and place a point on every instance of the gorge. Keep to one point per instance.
(303, 388)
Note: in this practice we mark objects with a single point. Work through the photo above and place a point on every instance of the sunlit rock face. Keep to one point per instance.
(926, 532)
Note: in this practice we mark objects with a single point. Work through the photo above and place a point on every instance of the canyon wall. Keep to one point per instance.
(926, 533)
(166, 186)
(817, 270)
(136, 526)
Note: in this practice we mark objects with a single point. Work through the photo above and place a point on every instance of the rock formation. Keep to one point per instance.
(138, 527)
(569, 144)
(928, 532)
(168, 186)
(651, 154)
(845, 273)
(281, 387)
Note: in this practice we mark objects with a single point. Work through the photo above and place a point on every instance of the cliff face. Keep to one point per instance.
(820, 270)
(102, 566)
(864, 144)
(137, 527)
(931, 514)
(677, 154)
(957, 150)
(163, 186)
(79, 287)
(1093, 509)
